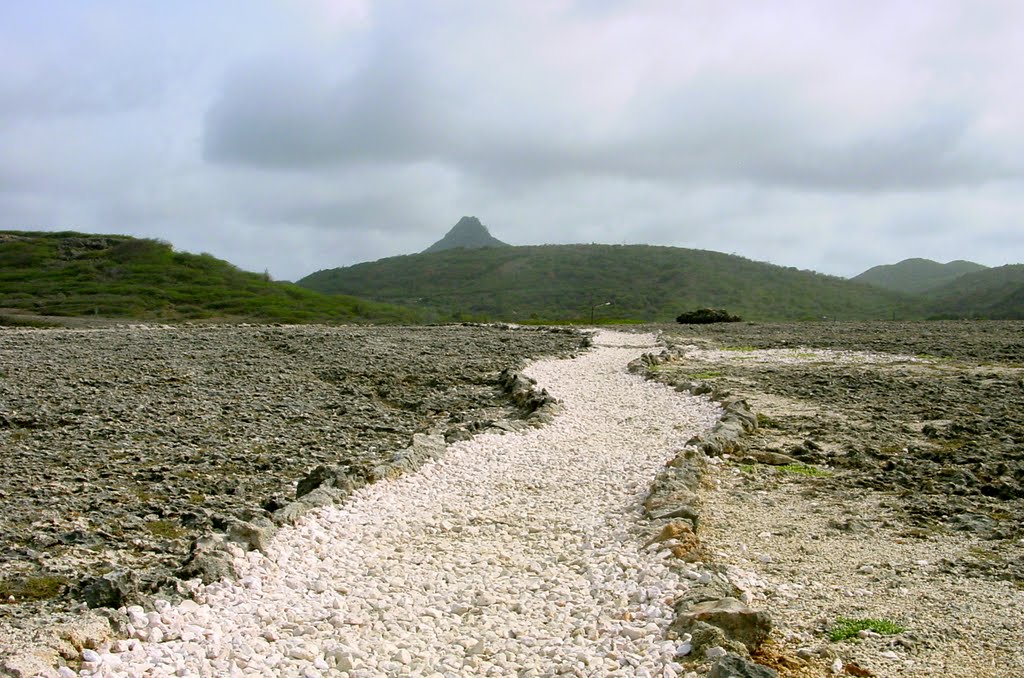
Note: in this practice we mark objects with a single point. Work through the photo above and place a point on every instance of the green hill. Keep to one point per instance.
(994, 294)
(74, 274)
(566, 282)
(916, 276)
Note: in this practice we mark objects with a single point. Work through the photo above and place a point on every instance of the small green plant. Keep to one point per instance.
(805, 470)
(164, 528)
(746, 468)
(764, 421)
(846, 628)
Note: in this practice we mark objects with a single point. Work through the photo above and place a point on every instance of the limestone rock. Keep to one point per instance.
(738, 621)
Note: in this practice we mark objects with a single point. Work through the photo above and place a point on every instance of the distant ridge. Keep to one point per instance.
(468, 234)
(580, 282)
(917, 276)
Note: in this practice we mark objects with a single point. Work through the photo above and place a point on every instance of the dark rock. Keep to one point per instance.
(973, 522)
(208, 560)
(114, 589)
(735, 666)
(324, 475)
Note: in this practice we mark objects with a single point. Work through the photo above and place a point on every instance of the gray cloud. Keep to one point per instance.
(306, 135)
(717, 129)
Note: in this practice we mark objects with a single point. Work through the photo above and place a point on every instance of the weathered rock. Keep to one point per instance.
(704, 636)
(739, 622)
(674, 492)
(330, 476)
(29, 663)
(696, 593)
(113, 589)
(735, 666)
(253, 533)
(768, 457)
(209, 560)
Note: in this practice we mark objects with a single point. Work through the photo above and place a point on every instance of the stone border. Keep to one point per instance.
(712, 619)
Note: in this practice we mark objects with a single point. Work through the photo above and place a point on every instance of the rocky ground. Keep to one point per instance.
(884, 482)
(122, 445)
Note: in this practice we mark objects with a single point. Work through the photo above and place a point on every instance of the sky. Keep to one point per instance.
(290, 136)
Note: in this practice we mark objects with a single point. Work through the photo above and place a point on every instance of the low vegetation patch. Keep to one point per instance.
(846, 628)
(164, 528)
(805, 470)
(38, 587)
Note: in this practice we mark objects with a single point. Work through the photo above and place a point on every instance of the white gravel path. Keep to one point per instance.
(516, 554)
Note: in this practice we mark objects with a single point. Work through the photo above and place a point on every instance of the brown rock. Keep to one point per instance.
(738, 621)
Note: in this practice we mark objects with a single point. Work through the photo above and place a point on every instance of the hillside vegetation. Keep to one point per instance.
(916, 276)
(570, 282)
(994, 293)
(74, 274)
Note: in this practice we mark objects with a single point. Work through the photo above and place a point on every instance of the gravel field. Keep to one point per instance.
(122, 445)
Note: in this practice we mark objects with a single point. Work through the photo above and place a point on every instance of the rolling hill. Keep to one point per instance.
(994, 293)
(916, 276)
(74, 274)
(642, 282)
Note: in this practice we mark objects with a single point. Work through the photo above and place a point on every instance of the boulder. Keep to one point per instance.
(253, 533)
(113, 589)
(735, 666)
(738, 622)
(208, 560)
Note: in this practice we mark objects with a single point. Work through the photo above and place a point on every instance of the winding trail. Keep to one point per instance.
(516, 554)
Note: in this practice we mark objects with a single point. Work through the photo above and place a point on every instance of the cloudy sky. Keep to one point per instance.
(295, 135)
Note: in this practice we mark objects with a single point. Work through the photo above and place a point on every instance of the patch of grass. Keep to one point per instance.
(39, 587)
(805, 470)
(746, 468)
(846, 628)
(764, 421)
(164, 528)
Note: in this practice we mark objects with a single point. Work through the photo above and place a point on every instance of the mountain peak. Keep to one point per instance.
(469, 233)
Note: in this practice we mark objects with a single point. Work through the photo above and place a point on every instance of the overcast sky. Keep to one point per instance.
(295, 135)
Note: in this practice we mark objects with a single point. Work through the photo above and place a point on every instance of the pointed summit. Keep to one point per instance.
(468, 233)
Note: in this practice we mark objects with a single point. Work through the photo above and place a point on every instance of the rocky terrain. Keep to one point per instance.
(931, 412)
(883, 482)
(122, 445)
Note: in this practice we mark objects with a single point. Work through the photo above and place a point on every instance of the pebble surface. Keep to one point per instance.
(515, 554)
